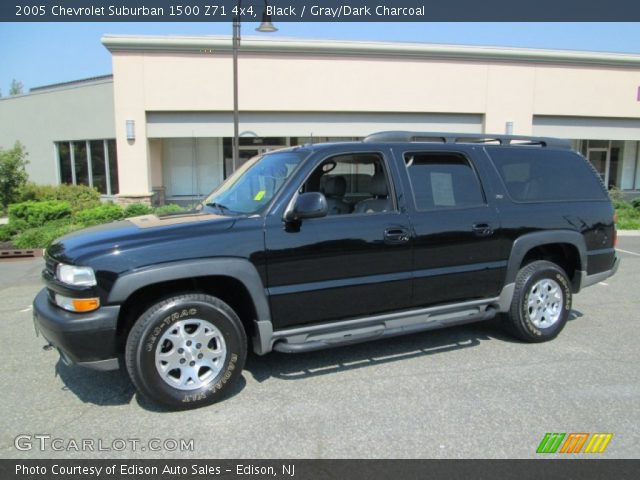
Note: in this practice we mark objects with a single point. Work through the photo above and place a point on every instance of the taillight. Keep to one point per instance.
(615, 230)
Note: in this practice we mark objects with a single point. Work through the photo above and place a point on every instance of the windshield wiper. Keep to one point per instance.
(219, 206)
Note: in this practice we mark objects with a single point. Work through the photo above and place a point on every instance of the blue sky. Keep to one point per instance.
(44, 53)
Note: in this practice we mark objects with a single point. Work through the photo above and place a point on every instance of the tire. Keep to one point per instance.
(541, 302)
(186, 351)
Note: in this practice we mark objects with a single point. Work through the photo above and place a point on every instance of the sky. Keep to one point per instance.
(44, 53)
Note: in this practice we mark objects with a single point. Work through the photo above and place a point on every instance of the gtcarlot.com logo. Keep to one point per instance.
(573, 443)
(46, 442)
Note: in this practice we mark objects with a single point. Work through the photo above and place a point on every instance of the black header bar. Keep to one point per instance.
(319, 10)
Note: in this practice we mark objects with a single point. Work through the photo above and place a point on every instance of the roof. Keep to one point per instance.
(73, 83)
(262, 45)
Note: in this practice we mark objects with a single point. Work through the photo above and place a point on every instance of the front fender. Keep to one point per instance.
(237, 268)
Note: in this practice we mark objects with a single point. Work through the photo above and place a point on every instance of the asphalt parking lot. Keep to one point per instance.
(465, 392)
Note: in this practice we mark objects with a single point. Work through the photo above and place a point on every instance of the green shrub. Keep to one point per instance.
(13, 174)
(628, 217)
(137, 209)
(636, 203)
(104, 213)
(42, 237)
(36, 214)
(9, 230)
(5, 233)
(615, 194)
(628, 223)
(169, 208)
(80, 197)
(622, 205)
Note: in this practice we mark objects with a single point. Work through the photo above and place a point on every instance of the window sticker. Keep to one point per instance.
(260, 195)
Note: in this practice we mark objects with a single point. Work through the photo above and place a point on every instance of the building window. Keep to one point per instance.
(113, 166)
(64, 158)
(79, 155)
(89, 162)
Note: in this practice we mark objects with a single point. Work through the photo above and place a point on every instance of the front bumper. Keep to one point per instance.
(85, 339)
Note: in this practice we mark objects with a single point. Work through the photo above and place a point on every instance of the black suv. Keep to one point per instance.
(323, 245)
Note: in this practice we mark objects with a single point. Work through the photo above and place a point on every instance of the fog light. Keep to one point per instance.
(77, 304)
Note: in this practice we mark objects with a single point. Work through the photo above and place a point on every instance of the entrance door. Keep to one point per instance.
(599, 158)
(192, 166)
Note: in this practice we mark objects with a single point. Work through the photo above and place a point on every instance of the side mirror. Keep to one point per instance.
(307, 205)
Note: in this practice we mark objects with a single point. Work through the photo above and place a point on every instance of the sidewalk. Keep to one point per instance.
(629, 233)
(4, 221)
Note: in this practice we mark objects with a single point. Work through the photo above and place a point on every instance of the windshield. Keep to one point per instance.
(255, 183)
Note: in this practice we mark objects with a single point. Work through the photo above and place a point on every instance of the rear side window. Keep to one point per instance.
(546, 175)
(442, 180)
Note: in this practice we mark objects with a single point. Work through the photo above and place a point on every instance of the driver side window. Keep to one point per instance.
(353, 184)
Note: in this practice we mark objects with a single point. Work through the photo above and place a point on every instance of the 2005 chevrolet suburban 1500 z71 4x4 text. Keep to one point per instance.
(329, 244)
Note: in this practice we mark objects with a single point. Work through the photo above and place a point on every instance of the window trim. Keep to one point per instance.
(444, 152)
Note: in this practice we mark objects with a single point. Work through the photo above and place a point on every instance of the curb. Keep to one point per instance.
(21, 253)
(629, 233)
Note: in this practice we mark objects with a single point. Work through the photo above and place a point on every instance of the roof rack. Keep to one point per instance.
(481, 138)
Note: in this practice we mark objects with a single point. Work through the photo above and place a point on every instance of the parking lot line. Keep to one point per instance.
(627, 251)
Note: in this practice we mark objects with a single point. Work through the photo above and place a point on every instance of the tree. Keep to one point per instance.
(13, 174)
(16, 87)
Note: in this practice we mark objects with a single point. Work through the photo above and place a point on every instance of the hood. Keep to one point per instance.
(120, 240)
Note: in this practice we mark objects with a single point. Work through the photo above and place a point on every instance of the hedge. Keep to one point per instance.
(42, 237)
(104, 213)
(137, 209)
(36, 214)
(80, 197)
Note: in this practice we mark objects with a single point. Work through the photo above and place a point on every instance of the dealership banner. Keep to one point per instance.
(318, 11)
(318, 469)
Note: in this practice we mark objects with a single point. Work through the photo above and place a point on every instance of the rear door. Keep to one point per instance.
(460, 252)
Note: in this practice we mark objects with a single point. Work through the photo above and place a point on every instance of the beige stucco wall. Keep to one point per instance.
(161, 79)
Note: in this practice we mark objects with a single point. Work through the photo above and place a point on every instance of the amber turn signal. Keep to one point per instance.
(85, 304)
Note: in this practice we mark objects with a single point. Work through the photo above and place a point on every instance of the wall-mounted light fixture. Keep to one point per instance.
(131, 130)
(509, 128)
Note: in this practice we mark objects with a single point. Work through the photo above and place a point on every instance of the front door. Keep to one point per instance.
(354, 262)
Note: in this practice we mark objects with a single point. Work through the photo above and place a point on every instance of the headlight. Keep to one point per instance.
(76, 276)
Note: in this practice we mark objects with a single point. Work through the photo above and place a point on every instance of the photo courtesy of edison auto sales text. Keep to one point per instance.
(126, 469)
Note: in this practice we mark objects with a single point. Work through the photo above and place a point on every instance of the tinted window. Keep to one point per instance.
(533, 175)
(443, 180)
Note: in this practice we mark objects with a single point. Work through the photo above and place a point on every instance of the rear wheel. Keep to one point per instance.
(186, 351)
(541, 302)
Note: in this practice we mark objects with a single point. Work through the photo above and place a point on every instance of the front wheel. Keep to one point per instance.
(541, 302)
(186, 351)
